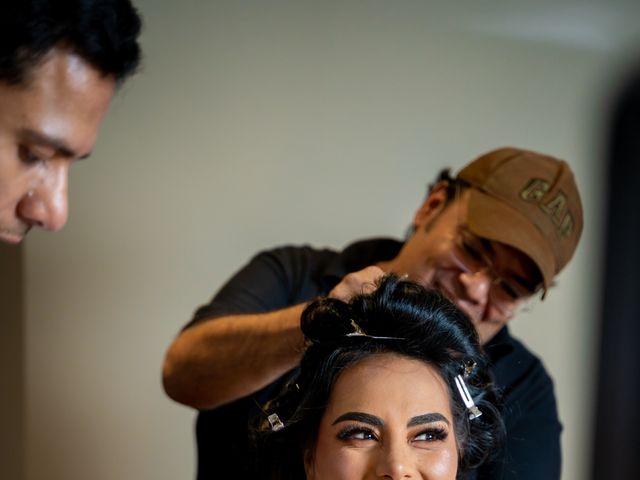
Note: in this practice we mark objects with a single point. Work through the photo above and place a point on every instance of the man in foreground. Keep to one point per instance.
(61, 62)
(490, 239)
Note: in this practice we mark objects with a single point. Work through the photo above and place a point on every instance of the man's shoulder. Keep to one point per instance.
(362, 253)
(297, 260)
(375, 244)
(298, 251)
(354, 256)
(518, 372)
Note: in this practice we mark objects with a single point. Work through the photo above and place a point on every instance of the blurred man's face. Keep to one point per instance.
(45, 125)
(488, 280)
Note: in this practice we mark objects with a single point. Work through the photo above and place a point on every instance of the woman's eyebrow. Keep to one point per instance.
(359, 417)
(427, 418)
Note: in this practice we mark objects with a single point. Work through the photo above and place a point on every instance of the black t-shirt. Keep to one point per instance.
(287, 276)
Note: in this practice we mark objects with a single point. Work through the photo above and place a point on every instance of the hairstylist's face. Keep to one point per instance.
(389, 417)
(486, 279)
(45, 125)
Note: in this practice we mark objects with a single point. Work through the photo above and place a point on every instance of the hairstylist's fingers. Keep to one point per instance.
(355, 283)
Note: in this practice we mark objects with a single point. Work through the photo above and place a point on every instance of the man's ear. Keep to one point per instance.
(432, 206)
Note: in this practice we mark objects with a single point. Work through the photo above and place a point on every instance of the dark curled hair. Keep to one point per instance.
(455, 186)
(429, 328)
(103, 32)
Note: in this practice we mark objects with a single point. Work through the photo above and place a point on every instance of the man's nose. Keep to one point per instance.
(476, 286)
(395, 461)
(46, 204)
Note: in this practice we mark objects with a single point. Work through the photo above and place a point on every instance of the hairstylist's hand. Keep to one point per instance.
(355, 283)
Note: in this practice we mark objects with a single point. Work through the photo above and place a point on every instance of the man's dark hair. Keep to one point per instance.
(455, 186)
(103, 32)
(427, 327)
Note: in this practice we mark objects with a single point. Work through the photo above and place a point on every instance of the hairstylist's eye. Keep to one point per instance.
(510, 290)
(471, 251)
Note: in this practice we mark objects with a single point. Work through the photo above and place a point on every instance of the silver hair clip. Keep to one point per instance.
(474, 411)
(275, 422)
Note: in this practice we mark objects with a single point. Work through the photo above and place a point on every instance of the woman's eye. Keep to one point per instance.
(363, 436)
(357, 434)
(431, 435)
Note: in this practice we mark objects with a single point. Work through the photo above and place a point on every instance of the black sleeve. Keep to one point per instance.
(272, 280)
(532, 447)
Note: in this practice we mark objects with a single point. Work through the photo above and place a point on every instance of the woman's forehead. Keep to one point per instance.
(385, 382)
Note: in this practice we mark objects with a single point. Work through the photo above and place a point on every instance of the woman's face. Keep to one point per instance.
(390, 417)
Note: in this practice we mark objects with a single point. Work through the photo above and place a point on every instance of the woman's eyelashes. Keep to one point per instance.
(359, 433)
(356, 433)
(432, 434)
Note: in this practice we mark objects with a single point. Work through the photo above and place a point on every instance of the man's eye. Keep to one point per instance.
(470, 250)
(510, 291)
(29, 156)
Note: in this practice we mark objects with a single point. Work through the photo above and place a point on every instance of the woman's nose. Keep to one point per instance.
(396, 462)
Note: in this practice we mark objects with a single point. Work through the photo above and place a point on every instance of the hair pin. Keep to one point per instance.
(275, 422)
(474, 411)
(358, 332)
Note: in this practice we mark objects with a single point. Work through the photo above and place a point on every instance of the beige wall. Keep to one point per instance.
(260, 123)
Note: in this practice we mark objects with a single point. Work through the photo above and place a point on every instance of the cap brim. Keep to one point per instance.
(494, 219)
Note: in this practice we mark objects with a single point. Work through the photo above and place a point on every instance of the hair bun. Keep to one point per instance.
(326, 319)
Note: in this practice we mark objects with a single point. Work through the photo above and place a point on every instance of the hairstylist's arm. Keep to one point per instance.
(218, 360)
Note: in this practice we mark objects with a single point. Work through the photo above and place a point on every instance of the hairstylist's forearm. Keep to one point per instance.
(220, 360)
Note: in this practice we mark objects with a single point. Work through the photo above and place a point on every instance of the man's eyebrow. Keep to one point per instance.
(427, 418)
(55, 143)
(359, 417)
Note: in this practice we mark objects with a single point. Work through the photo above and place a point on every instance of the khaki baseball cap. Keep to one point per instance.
(527, 200)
